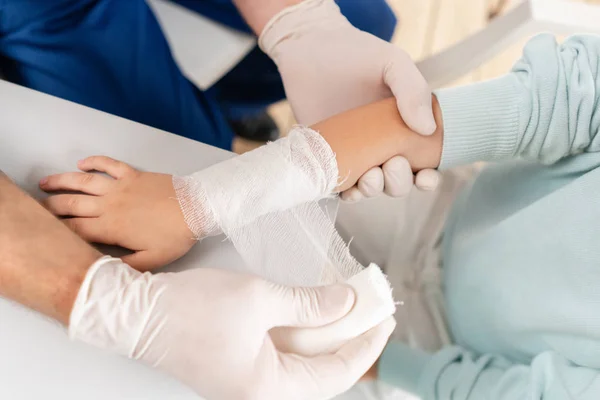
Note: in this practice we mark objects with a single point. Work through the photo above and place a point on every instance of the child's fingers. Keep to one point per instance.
(93, 184)
(116, 169)
(74, 205)
(91, 229)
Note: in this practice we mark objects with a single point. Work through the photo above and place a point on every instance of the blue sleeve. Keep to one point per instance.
(456, 374)
(545, 109)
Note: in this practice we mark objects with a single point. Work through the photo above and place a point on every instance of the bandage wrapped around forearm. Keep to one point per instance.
(296, 169)
(266, 202)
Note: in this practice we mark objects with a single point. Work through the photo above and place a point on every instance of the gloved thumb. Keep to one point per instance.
(312, 306)
(412, 94)
(371, 184)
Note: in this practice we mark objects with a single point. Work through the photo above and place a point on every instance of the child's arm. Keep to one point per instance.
(545, 109)
(369, 136)
(139, 210)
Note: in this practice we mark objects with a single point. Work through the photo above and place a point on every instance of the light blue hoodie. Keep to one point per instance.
(521, 256)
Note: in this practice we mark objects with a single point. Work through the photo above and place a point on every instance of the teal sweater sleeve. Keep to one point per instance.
(456, 374)
(545, 109)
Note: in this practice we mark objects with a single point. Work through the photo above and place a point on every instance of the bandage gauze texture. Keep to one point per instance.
(267, 203)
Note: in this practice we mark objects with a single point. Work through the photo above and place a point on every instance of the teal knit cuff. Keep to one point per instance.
(481, 121)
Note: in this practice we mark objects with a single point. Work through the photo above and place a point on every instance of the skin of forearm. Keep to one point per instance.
(368, 136)
(42, 263)
(258, 12)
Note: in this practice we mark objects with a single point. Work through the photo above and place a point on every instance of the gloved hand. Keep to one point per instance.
(210, 329)
(394, 178)
(328, 67)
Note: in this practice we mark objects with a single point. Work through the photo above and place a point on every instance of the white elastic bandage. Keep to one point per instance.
(266, 202)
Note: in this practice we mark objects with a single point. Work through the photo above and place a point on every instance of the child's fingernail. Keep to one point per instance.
(43, 181)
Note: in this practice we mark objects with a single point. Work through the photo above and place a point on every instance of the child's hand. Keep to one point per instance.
(132, 209)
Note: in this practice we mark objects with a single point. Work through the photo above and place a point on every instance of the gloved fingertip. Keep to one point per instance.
(385, 329)
(375, 340)
(352, 195)
(398, 177)
(371, 184)
(428, 180)
(336, 299)
(424, 121)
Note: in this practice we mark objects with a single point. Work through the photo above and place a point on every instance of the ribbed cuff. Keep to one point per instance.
(402, 366)
(481, 121)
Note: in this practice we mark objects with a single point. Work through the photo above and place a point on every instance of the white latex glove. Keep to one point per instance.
(394, 178)
(328, 67)
(210, 329)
